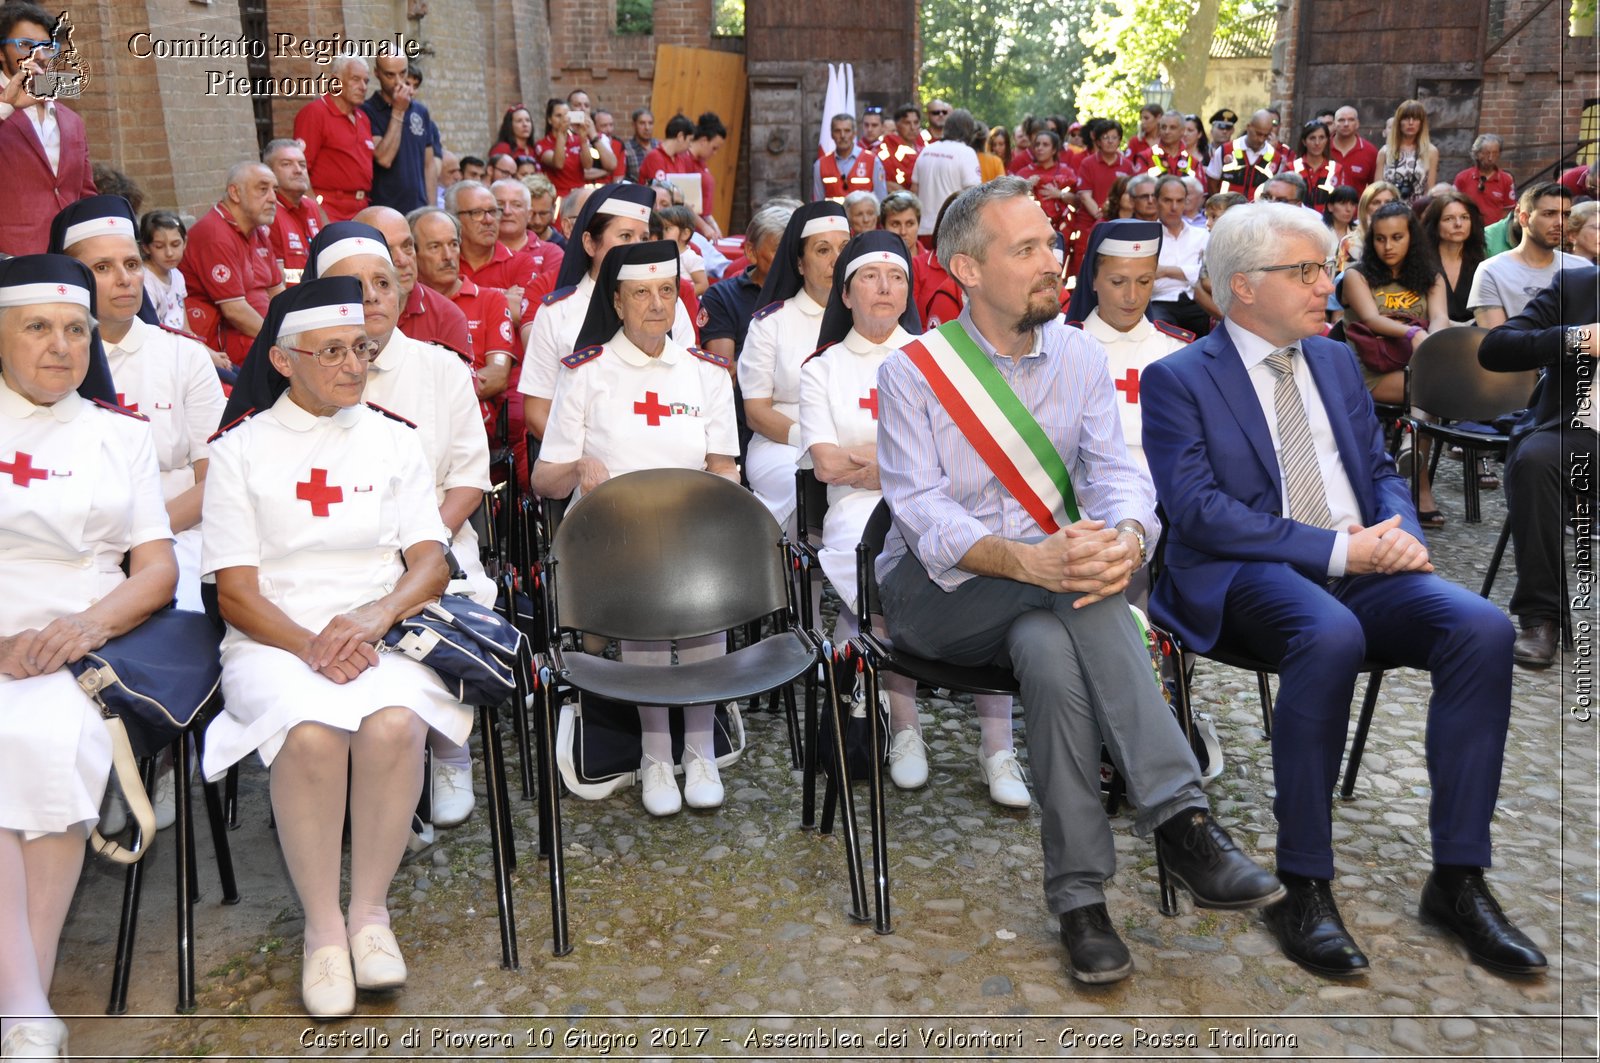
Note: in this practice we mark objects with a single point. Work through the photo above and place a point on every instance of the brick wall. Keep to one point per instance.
(1535, 87)
(616, 69)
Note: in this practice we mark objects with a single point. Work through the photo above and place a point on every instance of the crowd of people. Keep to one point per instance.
(1020, 339)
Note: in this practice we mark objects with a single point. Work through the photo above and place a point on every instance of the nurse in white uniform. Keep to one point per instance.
(79, 492)
(164, 376)
(612, 215)
(322, 531)
(869, 315)
(432, 387)
(642, 401)
(783, 334)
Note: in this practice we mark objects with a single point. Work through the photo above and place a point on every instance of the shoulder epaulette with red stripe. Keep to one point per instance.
(185, 333)
(558, 295)
(114, 408)
(1073, 324)
(721, 360)
(1174, 331)
(817, 352)
(392, 415)
(766, 311)
(588, 354)
(231, 425)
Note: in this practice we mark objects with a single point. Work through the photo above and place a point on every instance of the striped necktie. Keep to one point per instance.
(1302, 476)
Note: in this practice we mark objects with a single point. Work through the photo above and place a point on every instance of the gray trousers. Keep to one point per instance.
(1086, 679)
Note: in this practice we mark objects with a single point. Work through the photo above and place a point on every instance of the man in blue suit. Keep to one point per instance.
(1292, 538)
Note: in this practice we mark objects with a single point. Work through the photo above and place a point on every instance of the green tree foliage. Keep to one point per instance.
(1134, 41)
(1001, 59)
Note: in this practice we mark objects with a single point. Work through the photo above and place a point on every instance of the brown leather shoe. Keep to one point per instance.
(1536, 646)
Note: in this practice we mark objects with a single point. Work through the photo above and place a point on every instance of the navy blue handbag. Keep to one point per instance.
(472, 648)
(155, 678)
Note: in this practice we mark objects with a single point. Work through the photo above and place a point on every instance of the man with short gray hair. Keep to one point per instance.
(1030, 576)
(298, 218)
(337, 135)
(1485, 183)
(1292, 540)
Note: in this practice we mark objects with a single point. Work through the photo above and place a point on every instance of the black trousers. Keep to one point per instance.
(1183, 312)
(1542, 468)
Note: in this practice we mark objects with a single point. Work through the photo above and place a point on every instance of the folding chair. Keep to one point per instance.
(706, 557)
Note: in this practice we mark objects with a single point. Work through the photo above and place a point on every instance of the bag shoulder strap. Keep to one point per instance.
(126, 767)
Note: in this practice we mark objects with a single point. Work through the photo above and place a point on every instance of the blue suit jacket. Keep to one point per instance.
(1217, 475)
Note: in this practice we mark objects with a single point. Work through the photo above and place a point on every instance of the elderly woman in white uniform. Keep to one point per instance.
(783, 334)
(431, 387)
(641, 401)
(612, 215)
(79, 492)
(164, 376)
(869, 315)
(322, 531)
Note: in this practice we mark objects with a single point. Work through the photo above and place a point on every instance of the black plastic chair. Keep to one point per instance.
(1446, 380)
(1500, 544)
(654, 556)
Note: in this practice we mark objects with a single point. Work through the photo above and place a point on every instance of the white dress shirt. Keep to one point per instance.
(1185, 249)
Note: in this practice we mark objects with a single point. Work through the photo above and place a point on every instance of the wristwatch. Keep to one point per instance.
(1578, 340)
(1138, 536)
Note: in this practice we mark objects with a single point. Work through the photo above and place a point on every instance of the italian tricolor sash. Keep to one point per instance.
(996, 423)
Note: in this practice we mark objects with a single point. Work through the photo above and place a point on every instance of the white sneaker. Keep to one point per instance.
(165, 799)
(702, 783)
(452, 793)
(36, 1039)
(1004, 776)
(113, 816)
(661, 797)
(908, 759)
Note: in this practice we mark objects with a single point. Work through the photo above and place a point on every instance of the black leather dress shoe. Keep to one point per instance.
(1202, 858)
(1095, 954)
(1310, 932)
(1536, 646)
(1459, 900)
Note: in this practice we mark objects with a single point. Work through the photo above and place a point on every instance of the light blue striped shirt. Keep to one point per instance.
(943, 496)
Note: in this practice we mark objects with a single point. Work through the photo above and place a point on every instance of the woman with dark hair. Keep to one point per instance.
(1119, 204)
(612, 215)
(609, 419)
(1339, 212)
(1195, 139)
(1394, 296)
(1454, 229)
(568, 146)
(1315, 166)
(516, 133)
(783, 334)
(1001, 145)
(1055, 185)
(1407, 160)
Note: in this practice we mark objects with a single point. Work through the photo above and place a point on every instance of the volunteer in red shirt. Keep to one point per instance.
(566, 147)
(338, 140)
(542, 257)
(1098, 170)
(872, 128)
(1168, 154)
(672, 154)
(1485, 183)
(1315, 166)
(483, 258)
(424, 314)
(900, 149)
(497, 350)
(228, 265)
(708, 137)
(605, 129)
(1055, 185)
(298, 218)
(935, 292)
(1149, 130)
(848, 168)
(1356, 155)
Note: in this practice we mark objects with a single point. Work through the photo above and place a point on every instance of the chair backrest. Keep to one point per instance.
(871, 545)
(1448, 382)
(666, 554)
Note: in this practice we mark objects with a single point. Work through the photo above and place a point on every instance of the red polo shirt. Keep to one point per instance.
(936, 292)
(569, 173)
(1359, 164)
(1096, 176)
(1061, 175)
(658, 164)
(545, 255)
(505, 268)
(338, 148)
(490, 323)
(1497, 196)
(430, 317)
(219, 264)
(293, 229)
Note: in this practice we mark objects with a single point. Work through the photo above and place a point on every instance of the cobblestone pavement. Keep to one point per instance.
(723, 933)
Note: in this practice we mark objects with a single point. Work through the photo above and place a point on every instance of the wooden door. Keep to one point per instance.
(693, 80)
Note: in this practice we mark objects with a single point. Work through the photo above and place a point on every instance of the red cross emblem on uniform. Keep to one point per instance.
(61, 289)
(344, 311)
(1137, 246)
(654, 267)
(122, 400)
(1129, 385)
(651, 409)
(316, 491)
(870, 403)
(21, 470)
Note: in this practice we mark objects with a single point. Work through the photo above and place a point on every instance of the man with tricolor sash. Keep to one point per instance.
(1018, 518)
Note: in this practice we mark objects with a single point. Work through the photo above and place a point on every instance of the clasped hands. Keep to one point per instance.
(1085, 557)
(861, 470)
(41, 651)
(347, 646)
(1385, 548)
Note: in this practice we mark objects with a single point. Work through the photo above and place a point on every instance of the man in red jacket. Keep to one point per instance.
(42, 142)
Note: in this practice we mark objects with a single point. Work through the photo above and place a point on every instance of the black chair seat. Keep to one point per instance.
(735, 676)
(988, 679)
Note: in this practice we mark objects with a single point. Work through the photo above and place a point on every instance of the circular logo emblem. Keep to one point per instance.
(702, 319)
(415, 121)
(505, 330)
(221, 273)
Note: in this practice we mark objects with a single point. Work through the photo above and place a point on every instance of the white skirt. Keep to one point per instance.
(770, 468)
(842, 526)
(266, 691)
(55, 755)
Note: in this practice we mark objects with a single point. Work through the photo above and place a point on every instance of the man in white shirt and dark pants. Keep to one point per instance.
(943, 169)
(1177, 297)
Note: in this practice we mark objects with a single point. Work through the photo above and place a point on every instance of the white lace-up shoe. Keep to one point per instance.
(908, 759)
(1004, 776)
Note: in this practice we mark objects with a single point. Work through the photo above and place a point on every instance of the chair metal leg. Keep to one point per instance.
(561, 943)
(494, 769)
(220, 845)
(1469, 481)
(539, 706)
(847, 805)
(183, 848)
(808, 774)
(880, 831)
(792, 722)
(1358, 745)
(1498, 556)
(1264, 686)
(132, 883)
(1168, 892)
(519, 718)
(230, 800)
